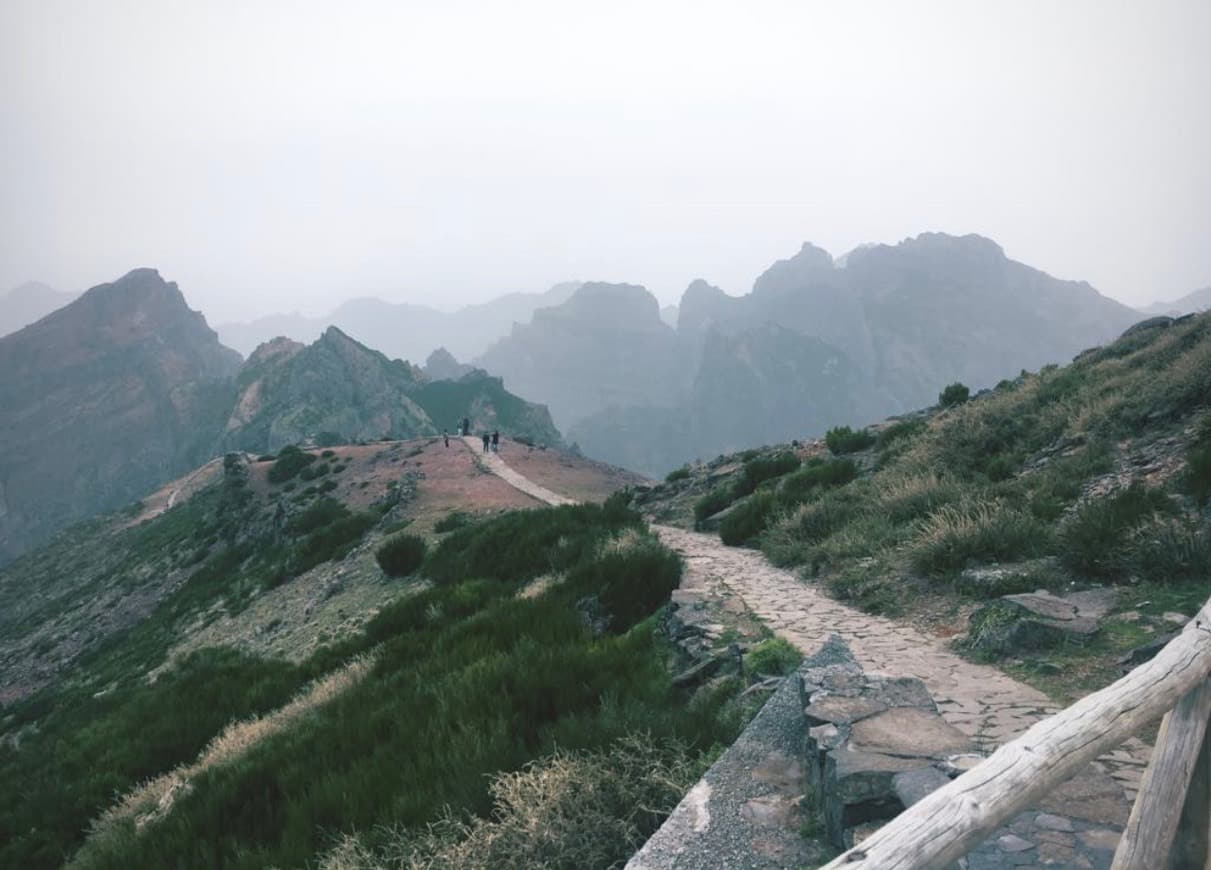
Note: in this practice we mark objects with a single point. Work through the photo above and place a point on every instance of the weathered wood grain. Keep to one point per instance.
(1148, 838)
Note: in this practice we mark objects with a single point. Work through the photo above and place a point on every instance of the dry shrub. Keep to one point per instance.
(569, 810)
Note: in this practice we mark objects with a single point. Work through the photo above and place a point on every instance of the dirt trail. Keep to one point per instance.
(979, 700)
(498, 467)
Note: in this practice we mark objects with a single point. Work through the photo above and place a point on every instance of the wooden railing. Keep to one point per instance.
(1169, 822)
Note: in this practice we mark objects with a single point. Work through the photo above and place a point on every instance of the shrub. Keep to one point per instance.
(758, 470)
(814, 477)
(1092, 542)
(773, 657)
(400, 555)
(1169, 550)
(570, 809)
(677, 474)
(843, 439)
(748, 519)
(453, 521)
(321, 513)
(631, 584)
(955, 535)
(713, 502)
(291, 460)
(955, 394)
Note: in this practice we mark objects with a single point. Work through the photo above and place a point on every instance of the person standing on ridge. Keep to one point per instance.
(446, 436)
(496, 441)
(466, 426)
(487, 439)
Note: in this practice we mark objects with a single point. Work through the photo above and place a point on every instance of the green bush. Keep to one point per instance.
(955, 394)
(814, 478)
(453, 521)
(843, 439)
(748, 519)
(773, 657)
(676, 474)
(400, 555)
(630, 584)
(1169, 550)
(291, 460)
(757, 471)
(1092, 542)
(714, 501)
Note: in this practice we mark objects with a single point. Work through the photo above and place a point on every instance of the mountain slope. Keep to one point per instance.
(338, 390)
(104, 399)
(1199, 300)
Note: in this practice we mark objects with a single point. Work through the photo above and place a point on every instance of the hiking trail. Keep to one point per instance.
(1079, 823)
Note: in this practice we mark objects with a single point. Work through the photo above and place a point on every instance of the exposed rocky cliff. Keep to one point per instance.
(104, 399)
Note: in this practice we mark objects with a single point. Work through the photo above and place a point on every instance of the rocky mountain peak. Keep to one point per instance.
(276, 348)
(810, 265)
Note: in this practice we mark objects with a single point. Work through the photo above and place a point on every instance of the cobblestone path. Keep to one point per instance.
(1078, 826)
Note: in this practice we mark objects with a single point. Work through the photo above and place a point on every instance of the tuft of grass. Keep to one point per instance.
(773, 657)
(677, 474)
(954, 536)
(954, 394)
(813, 478)
(713, 502)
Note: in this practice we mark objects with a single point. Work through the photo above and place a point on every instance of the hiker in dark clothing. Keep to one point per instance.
(446, 436)
(496, 442)
(487, 440)
(466, 426)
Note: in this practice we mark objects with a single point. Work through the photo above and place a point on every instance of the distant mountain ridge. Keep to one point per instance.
(126, 387)
(817, 342)
(28, 303)
(402, 330)
(1199, 300)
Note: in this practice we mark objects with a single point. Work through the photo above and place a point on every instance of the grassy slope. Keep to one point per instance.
(1036, 473)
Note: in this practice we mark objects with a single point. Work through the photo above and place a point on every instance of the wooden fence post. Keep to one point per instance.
(1149, 837)
(1192, 843)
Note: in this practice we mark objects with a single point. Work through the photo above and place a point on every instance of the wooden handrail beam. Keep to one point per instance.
(953, 820)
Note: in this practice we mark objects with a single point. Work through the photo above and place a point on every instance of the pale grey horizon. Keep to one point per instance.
(274, 157)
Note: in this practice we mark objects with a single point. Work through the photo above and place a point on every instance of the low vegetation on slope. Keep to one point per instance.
(533, 657)
(1096, 473)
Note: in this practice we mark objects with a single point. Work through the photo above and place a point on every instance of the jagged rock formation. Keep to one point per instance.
(27, 303)
(816, 343)
(339, 390)
(401, 330)
(104, 399)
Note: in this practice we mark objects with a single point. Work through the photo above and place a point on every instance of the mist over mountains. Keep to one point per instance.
(816, 343)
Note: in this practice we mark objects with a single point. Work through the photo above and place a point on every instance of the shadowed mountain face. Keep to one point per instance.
(606, 346)
(104, 399)
(816, 343)
(402, 331)
(126, 388)
(28, 303)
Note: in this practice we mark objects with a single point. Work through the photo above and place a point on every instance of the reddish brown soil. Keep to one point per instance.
(572, 476)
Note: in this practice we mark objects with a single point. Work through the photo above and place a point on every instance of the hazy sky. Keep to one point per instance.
(280, 156)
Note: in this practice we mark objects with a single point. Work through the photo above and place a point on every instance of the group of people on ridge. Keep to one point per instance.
(491, 440)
